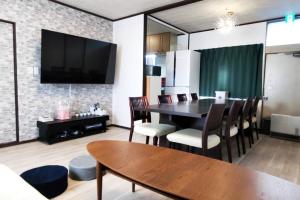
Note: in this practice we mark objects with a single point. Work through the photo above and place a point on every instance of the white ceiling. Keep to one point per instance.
(192, 17)
(204, 14)
(155, 28)
(115, 9)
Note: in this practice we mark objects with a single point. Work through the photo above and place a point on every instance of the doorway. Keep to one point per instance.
(9, 125)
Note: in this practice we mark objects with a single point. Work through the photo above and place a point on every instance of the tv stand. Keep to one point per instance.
(76, 127)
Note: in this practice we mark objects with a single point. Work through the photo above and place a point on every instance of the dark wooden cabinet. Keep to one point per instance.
(158, 43)
(61, 130)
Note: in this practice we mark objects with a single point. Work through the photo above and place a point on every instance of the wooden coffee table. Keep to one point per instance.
(182, 175)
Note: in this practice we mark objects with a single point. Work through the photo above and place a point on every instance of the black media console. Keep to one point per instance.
(76, 127)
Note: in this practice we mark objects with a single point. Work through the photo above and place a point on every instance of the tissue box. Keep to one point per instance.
(221, 95)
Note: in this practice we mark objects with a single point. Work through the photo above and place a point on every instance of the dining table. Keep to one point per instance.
(181, 175)
(186, 114)
(191, 109)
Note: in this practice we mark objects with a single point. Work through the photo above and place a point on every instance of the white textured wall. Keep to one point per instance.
(37, 99)
(241, 35)
(129, 35)
(183, 42)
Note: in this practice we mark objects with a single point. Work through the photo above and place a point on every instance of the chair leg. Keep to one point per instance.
(256, 129)
(249, 137)
(203, 152)
(155, 140)
(251, 133)
(190, 149)
(170, 145)
(130, 134)
(133, 187)
(238, 145)
(220, 151)
(228, 143)
(243, 141)
(147, 139)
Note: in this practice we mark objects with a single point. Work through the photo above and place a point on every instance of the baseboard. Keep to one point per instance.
(284, 136)
(17, 143)
(118, 126)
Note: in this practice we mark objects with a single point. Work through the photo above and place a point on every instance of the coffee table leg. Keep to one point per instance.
(99, 180)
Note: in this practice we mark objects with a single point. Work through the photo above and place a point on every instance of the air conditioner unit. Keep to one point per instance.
(285, 124)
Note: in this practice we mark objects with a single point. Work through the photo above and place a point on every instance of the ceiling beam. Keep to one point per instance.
(158, 20)
(170, 6)
(147, 12)
(162, 8)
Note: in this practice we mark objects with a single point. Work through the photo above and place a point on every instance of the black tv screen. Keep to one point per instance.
(71, 59)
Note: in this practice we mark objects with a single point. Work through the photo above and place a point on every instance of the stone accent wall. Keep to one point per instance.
(37, 99)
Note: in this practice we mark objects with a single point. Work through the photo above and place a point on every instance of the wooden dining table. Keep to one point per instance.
(192, 109)
(181, 175)
(187, 114)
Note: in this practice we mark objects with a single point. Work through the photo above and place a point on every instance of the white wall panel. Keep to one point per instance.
(128, 34)
(241, 35)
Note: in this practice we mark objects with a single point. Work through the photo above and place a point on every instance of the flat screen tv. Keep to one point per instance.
(71, 59)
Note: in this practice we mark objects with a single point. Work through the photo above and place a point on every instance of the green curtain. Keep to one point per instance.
(237, 70)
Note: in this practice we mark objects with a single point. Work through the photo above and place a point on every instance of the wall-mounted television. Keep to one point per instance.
(76, 60)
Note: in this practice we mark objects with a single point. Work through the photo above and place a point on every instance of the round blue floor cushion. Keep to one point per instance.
(50, 180)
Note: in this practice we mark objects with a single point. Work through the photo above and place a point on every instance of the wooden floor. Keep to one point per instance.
(273, 156)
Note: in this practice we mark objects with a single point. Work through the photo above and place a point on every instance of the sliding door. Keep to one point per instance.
(282, 84)
(8, 124)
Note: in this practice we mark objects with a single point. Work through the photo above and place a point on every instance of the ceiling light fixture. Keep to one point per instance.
(226, 23)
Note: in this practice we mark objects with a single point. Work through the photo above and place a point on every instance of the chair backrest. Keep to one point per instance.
(214, 117)
(141, 103)
(213, 122)
(194, 96)
(246, 110)
(164, 99)
(255, 104)
(233, 114)
(181, 97)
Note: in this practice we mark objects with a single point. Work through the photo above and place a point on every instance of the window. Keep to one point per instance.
(282, 33)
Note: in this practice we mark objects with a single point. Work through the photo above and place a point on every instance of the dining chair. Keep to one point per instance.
(253, 118)
(164, 99)
(230, 127)
(194, 96)
(145, 128)
(205, 139)
(244, 122)
(181, 97)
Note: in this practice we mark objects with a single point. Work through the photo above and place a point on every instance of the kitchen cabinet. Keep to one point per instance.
(158, 43)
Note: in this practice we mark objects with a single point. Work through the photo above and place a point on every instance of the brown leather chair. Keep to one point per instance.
(253, 117)
(138, 111)
(164, 99)
(208, 138)
(244, 122)
(230, 127)
(194, 96)
(181, 97)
